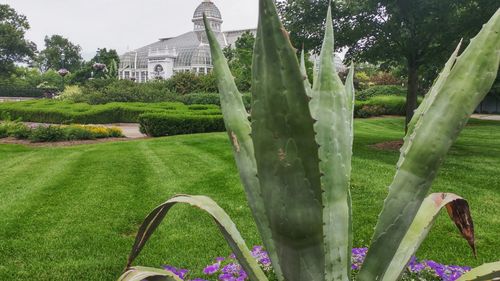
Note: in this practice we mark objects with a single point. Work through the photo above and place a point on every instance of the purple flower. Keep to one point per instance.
(231, 268)
(181, 273)
(211, 269)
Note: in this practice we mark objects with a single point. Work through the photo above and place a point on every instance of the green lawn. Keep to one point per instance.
(71, 213)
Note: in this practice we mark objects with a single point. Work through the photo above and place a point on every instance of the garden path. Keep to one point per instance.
(487, 117)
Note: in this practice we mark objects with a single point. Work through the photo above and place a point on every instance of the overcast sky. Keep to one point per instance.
(123, 24)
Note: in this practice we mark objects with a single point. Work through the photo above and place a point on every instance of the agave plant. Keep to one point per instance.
(294, 159)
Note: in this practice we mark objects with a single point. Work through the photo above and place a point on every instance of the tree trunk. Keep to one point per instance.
(411, 96)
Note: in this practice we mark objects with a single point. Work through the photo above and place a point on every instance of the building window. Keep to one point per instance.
(127, 74)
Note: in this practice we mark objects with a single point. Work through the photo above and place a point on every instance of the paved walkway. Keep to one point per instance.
(9, 99)
(486, 117)
(130, 130)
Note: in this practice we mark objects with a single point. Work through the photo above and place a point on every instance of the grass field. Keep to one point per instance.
(71, 213)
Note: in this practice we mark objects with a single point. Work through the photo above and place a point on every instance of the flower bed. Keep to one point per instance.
(228, 269)
(55, 133)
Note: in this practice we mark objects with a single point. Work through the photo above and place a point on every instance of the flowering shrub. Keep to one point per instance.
(228, 269)
(53, 133)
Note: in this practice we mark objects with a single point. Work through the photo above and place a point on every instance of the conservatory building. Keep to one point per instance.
(188, 52)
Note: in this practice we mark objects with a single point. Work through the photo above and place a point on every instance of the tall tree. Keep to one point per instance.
(14, 48)
(104, 56)
(419, 34)
(60, 53)
(240, 60)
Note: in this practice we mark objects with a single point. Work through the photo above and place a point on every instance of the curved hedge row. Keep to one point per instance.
(60, 112)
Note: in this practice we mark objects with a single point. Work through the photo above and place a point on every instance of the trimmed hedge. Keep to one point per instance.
(381, 90)
(381, 105)
(210, 98)
(22, 92)
(158, 124)
(60, 112)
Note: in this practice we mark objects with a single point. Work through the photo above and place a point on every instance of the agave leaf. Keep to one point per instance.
(221, 218)
(468, 82)
(239, 130)
(350, 94)
(485, 272)
(139, 273)
(457, 207)
(303, 70)
(285, 151)
(435, 89)
(429, 98)
(334, 137)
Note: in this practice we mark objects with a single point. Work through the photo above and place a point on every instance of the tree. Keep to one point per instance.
(106, 57)
(109, 58)
(60, 53)
(14, 48)
(419, 34)
(240, 60)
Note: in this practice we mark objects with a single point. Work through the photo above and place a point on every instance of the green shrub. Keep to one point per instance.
(72, 94)
(19, 131)
(115, 132)
(157, 125)
(393, 105)
(367, 111)
(26, 92)
(3, 132)
(91, 132)
(382, 90)
(381, 105)
(14, 129)
(200, 98)
(211, 98)
(99, 91)
(184, 83)
(47, 134)
(78, 133)
(208, 83)
(202, 107)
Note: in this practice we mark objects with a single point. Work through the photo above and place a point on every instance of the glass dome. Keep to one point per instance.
(209, 8)
(196, 56)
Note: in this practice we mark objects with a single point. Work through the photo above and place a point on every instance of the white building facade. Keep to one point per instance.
(188, 52)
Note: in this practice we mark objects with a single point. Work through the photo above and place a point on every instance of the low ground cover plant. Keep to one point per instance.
(294, 160)
(55, 133)
(229, 269)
